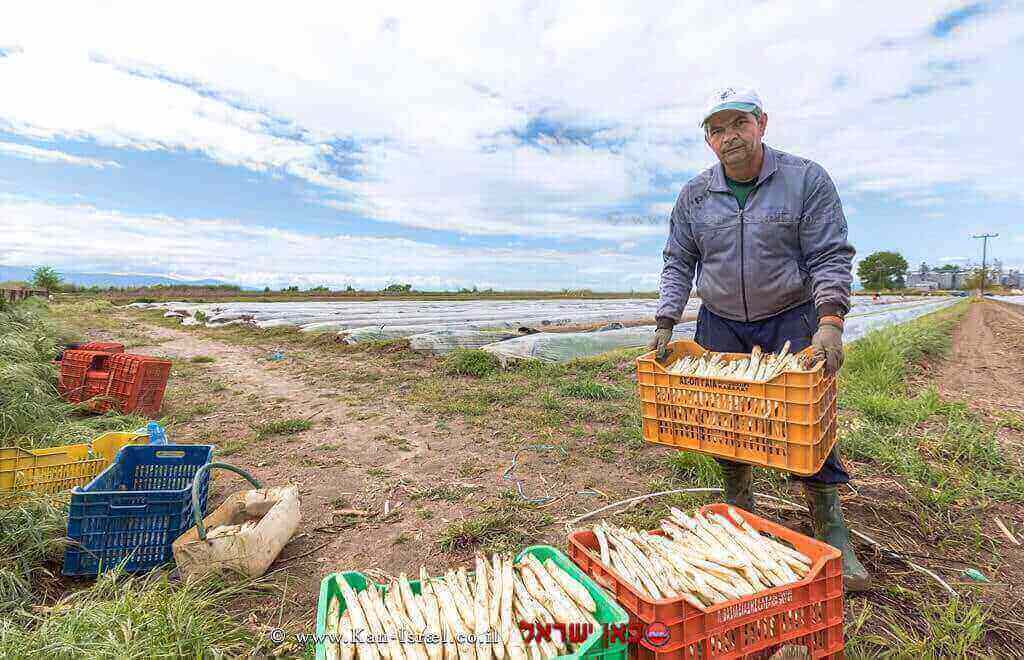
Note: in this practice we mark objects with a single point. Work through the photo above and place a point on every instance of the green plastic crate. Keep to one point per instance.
(608, 611)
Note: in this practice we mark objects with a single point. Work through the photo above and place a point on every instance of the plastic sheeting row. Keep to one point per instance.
(433, 315)
(1016, 300)
(563, 347)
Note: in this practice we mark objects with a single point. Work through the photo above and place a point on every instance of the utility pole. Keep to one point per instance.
(984, 257)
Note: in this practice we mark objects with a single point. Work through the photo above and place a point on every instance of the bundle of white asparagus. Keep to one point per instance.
(758, 368)
(462, 617)
(704, 559)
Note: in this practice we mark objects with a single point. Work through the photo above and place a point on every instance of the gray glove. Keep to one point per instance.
(827, 345)
(660, 343)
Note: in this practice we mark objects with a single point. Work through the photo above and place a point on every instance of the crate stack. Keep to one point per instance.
(114, 379)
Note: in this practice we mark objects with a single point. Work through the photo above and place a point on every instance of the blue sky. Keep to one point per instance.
(521, 145)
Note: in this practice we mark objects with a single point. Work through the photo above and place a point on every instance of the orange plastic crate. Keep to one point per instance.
(108, 346)
(138, 382)
(74, 367)
(787, 423)
(808, 612)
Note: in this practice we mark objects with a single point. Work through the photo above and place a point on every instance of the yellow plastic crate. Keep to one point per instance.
(57, 469)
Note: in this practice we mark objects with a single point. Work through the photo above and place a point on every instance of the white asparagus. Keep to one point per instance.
(571, 586)
(481, 611)
(509, 631)
(409, 603)
(346, 649)
(602, 544)
(533, 649)
(462, 598)
(372, 620)
(560, 607)
(576, 614)
(429, 607)
(413, 650)
(445, 590)
(331, 628)
(451, 652)
(390, 626)
(495, 602)
(358, 618)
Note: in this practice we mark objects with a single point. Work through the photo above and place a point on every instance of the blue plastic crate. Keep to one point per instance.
(134, 510)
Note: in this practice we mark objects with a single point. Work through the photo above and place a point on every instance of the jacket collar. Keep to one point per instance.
(768, 167)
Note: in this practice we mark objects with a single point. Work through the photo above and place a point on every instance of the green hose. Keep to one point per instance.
(197, 510)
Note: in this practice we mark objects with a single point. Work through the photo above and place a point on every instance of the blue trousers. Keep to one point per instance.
(797, 325)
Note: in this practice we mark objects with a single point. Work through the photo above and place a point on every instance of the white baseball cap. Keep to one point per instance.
(732, 98)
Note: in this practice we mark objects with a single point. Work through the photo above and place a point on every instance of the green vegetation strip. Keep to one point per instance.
(32, 414)
(43, 616)
(944, 453)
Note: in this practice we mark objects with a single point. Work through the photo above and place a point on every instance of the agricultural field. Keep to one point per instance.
(405, 459)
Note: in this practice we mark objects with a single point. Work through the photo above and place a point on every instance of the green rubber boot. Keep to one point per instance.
(830, 527)
(739, 479)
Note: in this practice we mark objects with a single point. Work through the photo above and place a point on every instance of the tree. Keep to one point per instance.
(948, 268)
(972, 281)
(882, 270)
(47, 278)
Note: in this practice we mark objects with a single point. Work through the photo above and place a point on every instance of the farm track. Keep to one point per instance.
(986, 366)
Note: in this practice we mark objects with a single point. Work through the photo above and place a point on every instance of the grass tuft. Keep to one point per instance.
(586, 388)
(507, 524)
(133, 617)
(32, 531)
(469, 362)
(203, 359)
(281, 427)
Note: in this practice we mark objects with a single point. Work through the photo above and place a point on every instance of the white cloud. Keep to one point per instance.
(86, 239)
(29, 152)
(424, 90)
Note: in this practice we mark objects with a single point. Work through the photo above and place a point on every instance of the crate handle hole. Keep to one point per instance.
(170, 454)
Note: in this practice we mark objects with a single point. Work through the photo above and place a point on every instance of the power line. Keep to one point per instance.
(984, 257)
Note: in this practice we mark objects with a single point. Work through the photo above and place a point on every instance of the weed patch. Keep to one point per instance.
(507, 524)
(586, 388)
(469, 362)
(281, 427)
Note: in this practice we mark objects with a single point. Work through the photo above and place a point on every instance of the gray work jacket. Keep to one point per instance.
(785, 247)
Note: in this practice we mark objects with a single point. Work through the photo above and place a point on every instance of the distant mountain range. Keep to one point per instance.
(104, 279)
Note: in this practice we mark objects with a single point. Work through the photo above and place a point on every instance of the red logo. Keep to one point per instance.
(656, 634)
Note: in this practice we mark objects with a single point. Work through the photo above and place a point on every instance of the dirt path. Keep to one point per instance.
(986, 367)
(339, 463)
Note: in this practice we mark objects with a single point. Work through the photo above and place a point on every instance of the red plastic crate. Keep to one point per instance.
(808, 612)
(73, 369)
(108, 346)
(138, 382)
(96, 383)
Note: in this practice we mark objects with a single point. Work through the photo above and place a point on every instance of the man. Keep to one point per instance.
(764, 236)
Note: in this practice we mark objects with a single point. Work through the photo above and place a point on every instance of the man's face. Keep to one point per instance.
(735, 135)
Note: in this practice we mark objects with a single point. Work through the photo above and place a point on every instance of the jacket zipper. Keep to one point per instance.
(743, 277)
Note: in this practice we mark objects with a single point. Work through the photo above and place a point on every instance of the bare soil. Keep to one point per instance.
(986, 367)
